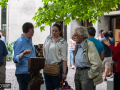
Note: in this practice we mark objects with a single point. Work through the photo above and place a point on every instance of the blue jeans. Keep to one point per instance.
(72, 56)
(23, 80)
(52, 82)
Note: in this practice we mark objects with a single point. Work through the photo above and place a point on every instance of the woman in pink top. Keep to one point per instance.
(72, 48)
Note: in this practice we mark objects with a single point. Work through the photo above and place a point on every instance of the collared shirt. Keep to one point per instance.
(3, 51)
(3, 38)
(80, 60)
(20, 45)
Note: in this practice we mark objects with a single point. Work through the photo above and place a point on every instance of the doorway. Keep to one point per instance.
(115, 27)
(3, 21)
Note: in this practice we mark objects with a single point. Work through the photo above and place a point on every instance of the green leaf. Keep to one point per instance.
(42, 28)
(99, 21)
(67, 10)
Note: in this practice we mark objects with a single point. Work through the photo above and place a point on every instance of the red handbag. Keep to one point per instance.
(64, 86)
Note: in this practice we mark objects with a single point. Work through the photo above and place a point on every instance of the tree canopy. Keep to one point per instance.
(3, 3)
(68, 10)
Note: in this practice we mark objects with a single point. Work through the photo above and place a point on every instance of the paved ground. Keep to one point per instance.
(10, 78)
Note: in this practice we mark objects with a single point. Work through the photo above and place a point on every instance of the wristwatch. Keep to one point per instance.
(64, 73)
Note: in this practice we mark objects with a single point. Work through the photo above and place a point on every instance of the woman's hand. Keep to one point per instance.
(64, 76)
(106, 42)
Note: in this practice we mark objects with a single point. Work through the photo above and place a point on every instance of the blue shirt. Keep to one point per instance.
(3, 51)
(20, 45)
(98, 44)
(112, 41)
(80, 60)
(3, 38)
(107, 50)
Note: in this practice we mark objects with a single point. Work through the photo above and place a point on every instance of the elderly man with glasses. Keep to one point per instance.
(87, 61)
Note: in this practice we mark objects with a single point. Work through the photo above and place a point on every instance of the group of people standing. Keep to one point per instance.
(107, 62)
(111, 56)
(88, 55)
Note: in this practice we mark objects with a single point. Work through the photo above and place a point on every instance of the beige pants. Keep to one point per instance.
(2, 75)
(106, 62)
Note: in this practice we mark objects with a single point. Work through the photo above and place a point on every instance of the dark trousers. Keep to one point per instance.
(82, 80)
(52, 82)
(117, 81)
(23, 80)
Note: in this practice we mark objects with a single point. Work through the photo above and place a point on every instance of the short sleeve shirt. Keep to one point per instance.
(73, 44)
(98, 44)
(107, 50)
(3, 51)
(112, 41)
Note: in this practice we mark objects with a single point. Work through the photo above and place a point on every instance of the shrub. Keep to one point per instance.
(10, 50)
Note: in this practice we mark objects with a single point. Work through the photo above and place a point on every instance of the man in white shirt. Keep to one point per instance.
(100, 35)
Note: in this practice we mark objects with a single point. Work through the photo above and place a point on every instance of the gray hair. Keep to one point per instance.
(82, 31)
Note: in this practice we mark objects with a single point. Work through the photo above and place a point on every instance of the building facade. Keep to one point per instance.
(17, 13)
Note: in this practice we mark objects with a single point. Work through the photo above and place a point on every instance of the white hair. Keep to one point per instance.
(82, 31)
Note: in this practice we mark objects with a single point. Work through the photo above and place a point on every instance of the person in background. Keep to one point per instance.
(87, 61)
(55, 50)
(100, 35)
(3, 54)
(2, 37)
(112, 62)
(23, 49)
(72, 48)
(115, 58)
(107, 54)
(100, 48)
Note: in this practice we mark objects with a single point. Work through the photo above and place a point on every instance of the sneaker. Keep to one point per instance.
(112, 76)
(73, 67)
(108, 75)
(105, 79)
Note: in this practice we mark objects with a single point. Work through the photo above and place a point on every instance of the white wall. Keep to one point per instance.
(104, 25)
(1, 17)
(70, 31)
(19, 12)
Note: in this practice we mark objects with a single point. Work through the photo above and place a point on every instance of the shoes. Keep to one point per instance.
(108, 75)
(73, 67)
(105, 79)
(112, 76)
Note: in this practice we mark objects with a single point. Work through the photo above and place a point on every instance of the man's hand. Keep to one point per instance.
(107, 42)
(26, 52)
